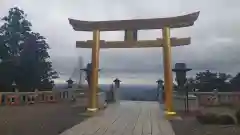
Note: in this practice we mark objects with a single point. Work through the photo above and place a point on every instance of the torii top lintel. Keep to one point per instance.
(137, 24)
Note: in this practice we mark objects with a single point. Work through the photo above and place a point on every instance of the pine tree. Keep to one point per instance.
(25, 54)
(235, 82)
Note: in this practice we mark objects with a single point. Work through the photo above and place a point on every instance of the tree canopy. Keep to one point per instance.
(24, 55)
(207, 81)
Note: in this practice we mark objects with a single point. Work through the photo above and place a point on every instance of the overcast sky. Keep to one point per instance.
(215, 35)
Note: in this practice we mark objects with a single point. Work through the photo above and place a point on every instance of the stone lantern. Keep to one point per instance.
(159, 83)
(160, 91)
(181, 71)
(88, 71)
(70, 83)
(117, 83)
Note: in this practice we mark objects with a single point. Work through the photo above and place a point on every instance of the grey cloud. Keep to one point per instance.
(215, 35)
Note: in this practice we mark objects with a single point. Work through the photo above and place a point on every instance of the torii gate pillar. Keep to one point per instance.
(168, 80)
(95, 67)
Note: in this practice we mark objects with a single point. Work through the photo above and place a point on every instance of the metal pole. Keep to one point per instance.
(168, 79)
(187, 105)
(158, 91)
(94, 75)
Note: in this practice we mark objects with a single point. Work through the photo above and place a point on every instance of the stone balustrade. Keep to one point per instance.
(102, 100)
(80, 97)
(21, 98)
(217, 98)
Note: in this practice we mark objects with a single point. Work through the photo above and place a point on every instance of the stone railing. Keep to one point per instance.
(79, 96)
(112, 95)
(82, 99)
(22, 98)
(180, 102)
(102, 100)
(217, 98)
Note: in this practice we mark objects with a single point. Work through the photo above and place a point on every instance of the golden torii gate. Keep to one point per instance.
(131, 27)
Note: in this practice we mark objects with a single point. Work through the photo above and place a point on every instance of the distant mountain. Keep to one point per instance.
(135, 92)
(128, 92)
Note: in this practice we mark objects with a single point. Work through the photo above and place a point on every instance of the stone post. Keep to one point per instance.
(215, 97)
(116, 90)
(160, 90)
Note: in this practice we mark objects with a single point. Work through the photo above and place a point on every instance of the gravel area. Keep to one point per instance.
(39, 119)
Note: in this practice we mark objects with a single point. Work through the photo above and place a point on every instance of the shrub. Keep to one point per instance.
(237, 115)
(208, 118)
(225, 119)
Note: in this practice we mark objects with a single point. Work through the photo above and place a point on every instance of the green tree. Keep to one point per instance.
(13, 34)
(25, 56)
(235, 82)
(208, 81)
(224, 77)
(205, 81)
(222, 82)
(190, 84)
